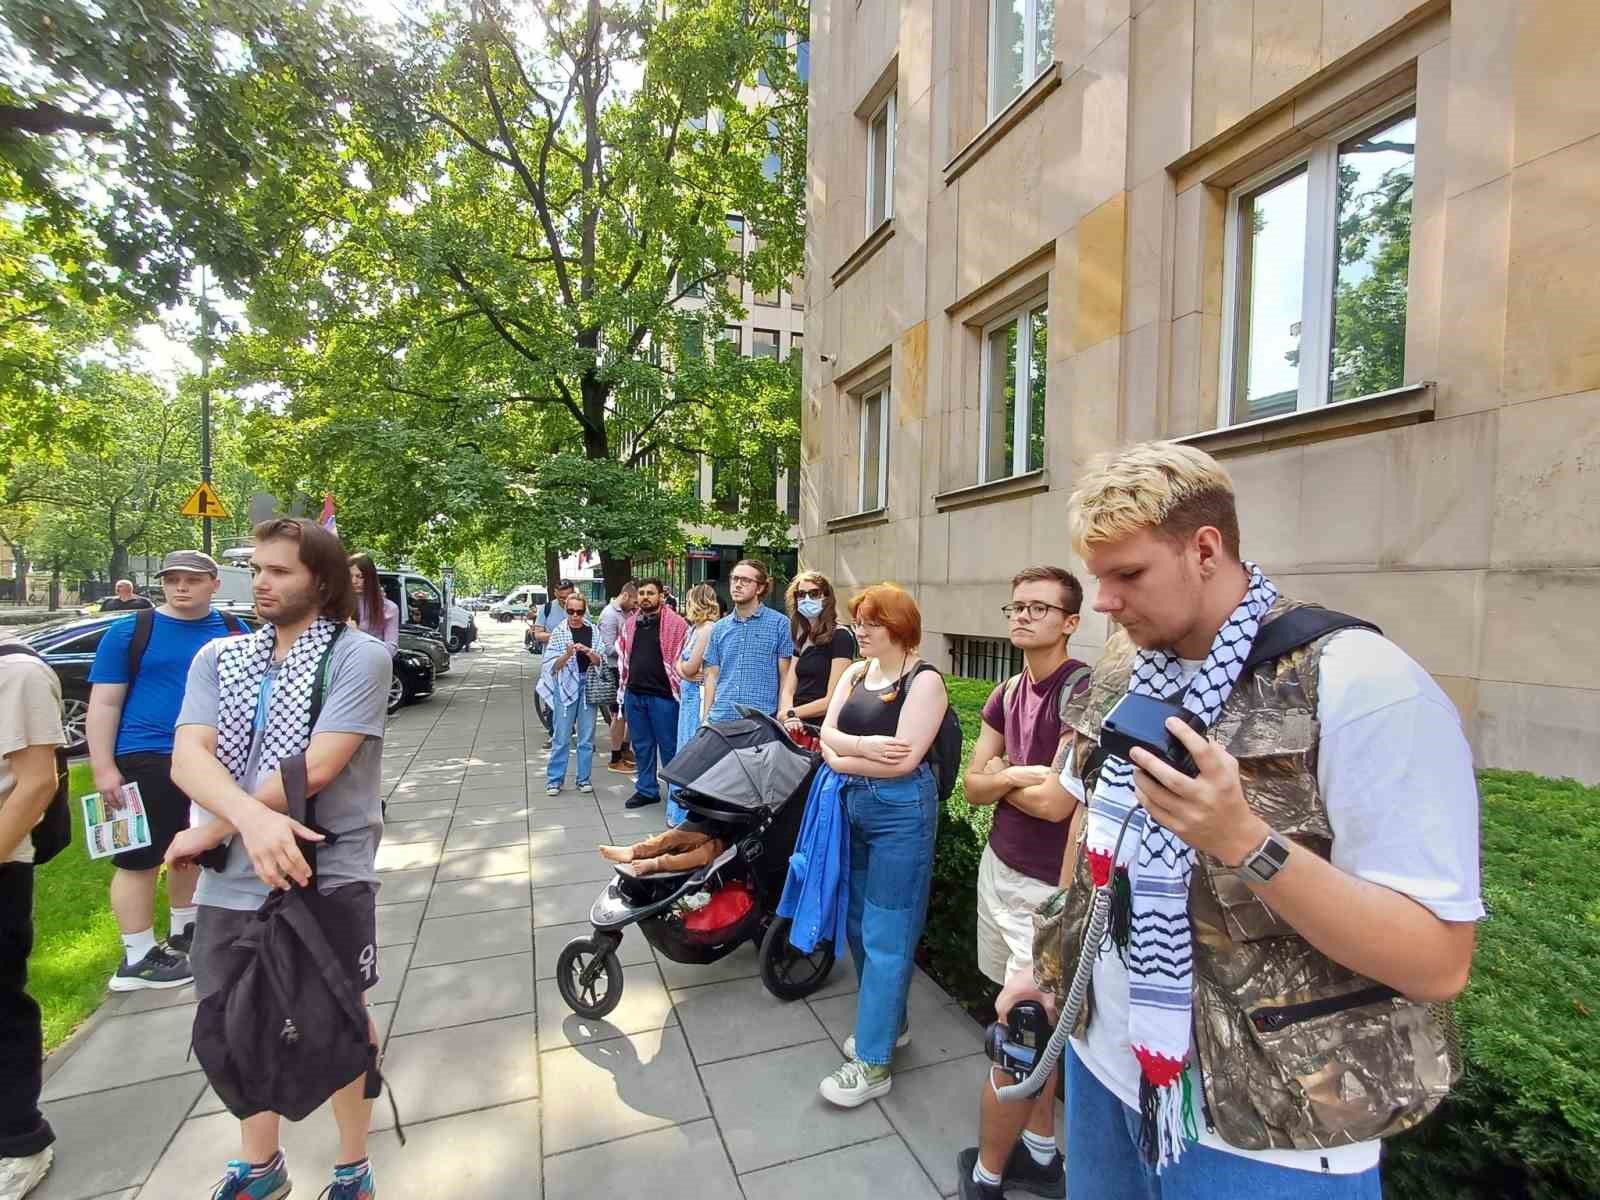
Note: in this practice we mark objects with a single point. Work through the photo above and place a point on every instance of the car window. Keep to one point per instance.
(84, 643)
(391, 588)
(423, 602)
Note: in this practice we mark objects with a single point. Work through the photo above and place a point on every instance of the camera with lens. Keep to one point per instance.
(1015, 1044)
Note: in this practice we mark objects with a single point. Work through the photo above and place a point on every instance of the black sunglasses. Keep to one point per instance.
(809, 593)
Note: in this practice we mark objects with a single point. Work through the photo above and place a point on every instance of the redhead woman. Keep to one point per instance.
(882, 720)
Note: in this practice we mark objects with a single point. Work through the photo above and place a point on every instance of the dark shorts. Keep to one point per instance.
(349, 918)
(165, 805)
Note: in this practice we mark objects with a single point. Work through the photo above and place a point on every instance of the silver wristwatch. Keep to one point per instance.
(1266, 860)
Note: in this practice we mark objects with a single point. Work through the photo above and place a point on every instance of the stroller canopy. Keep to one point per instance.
(742, 764)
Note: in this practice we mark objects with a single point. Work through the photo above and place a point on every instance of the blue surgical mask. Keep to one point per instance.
(810, 609)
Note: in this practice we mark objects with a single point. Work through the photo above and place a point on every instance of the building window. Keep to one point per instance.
(994, 659)
(1015, 352)
(771, 298)
(791, 499)
(797, 346)
(764, 343)
(736, 252)
(873, 483)
(880, 164)
(797, 292)
(728, 341)
(1319, 251)
(1022, 45)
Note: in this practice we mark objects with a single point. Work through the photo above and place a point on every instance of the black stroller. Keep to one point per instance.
(745, 782)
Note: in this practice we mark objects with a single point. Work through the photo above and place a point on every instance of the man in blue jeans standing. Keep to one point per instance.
(647, 657)
(573, 648)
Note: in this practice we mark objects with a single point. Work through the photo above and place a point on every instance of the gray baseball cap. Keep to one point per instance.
(189, 560)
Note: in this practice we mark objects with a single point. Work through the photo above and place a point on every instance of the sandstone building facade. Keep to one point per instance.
(1349, 246)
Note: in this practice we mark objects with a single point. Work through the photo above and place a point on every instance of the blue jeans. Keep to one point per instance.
(562, 717)
(892, 828)
(653, 729)
(1100, 1136)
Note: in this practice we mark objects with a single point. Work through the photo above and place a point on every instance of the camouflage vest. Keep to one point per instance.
(1295, 1051)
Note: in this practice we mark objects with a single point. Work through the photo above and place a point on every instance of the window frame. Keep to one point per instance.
(777, 344)
(1320, 162)
(1034, 64)
(1024, 311)
(885, 109)
(884, 392)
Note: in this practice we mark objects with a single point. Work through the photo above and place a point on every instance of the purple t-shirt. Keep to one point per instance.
(1031, 723)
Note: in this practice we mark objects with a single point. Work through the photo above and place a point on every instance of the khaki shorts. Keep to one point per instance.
(1006, 901)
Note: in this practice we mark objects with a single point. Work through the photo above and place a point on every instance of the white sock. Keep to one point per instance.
(183, 917)
(1042, 1148)
(980, 1176)
(136, 945)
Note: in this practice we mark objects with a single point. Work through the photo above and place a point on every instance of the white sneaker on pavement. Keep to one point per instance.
(19, 1176)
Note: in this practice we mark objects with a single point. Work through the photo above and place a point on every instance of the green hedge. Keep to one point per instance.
(949, 940)
(1525, 1120)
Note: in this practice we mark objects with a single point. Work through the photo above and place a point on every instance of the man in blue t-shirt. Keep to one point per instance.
(131, 725)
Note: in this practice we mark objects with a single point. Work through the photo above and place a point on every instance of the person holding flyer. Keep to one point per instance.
(138, 678)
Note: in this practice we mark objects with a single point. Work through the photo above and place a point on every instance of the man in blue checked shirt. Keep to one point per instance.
(751, 650)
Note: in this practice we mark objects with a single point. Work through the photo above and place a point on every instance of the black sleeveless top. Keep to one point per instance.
(865, 714)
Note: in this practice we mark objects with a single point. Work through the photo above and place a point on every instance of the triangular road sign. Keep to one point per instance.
(203, 502)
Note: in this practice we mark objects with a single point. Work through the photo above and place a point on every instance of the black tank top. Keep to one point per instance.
(865, 714)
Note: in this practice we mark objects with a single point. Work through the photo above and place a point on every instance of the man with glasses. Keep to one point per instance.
(751, 649)
(575, 645)
(1021, 733)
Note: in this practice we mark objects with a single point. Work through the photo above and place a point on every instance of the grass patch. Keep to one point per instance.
(76, 945)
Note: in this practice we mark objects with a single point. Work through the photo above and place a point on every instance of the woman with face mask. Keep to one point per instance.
(823, 649)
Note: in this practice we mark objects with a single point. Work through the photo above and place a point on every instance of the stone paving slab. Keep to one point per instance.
(697, 1074)
(868, 1171)
(684, 1162)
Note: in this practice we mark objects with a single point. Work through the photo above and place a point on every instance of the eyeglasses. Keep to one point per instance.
(809, 593)
(749, 580)
(1037, 610)
(866, 627)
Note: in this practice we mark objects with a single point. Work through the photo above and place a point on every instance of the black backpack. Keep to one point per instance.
(944, 756)
(289, 1028)
(53, 833)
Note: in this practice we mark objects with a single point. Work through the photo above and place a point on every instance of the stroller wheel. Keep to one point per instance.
(789, 974)
(590, 977)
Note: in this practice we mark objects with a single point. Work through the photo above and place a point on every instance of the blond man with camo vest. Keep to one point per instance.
(1293, 917)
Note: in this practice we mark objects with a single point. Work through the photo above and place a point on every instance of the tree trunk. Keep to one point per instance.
(552, 570)
(21, 556)
(55, 588)
(119, 561)
(615, 571)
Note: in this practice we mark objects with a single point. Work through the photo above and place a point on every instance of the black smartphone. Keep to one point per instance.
(1142, 721)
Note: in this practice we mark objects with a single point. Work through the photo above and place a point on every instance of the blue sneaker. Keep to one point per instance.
(244, 1181)
(353, 1182)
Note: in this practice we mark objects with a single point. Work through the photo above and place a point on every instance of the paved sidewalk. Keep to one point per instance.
(699, 1086)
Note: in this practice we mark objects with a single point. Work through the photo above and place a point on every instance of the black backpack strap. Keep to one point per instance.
(20, 648)
(144, 623)
(235, 626)
(319, 690)
(1298, 627)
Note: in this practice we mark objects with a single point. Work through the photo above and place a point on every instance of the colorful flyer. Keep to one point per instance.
(115, 823)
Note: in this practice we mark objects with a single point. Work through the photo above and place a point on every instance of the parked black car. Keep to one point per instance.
(69, 645)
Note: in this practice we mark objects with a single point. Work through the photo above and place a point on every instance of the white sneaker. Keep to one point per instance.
(854, 1083)
(586, 788)
(553, 790)
(900, 1043)
(19, 1176)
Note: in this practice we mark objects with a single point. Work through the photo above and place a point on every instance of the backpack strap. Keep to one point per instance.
(1069, 689)
(1298, 627)
(144, 623)
(319, 690)
(235, 626)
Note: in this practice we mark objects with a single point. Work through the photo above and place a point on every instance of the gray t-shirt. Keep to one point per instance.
(351, 806)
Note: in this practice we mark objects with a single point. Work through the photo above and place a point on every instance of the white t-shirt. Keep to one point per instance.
(1396, 775)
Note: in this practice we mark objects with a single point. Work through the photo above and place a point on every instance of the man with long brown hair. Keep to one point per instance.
(248, 707)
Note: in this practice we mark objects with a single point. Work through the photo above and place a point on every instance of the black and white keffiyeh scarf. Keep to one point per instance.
(242, 664)
(1156, 866)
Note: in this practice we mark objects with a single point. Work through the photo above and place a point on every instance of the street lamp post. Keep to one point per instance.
(205, 402)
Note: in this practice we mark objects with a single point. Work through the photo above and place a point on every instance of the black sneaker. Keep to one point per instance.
(160, 968)
(968, 1188)
(1024, 1174)
(182, 942)
(638, 800)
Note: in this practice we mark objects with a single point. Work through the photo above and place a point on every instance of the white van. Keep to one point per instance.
(519, 602)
